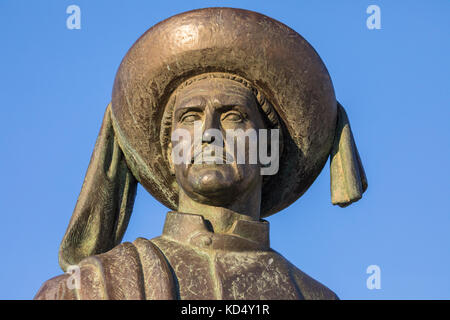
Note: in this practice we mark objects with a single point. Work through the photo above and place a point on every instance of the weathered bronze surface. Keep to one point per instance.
(229, 69)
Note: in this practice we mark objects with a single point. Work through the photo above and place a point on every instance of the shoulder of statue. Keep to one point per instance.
(310, 288)
(56, 288)
(133, 271)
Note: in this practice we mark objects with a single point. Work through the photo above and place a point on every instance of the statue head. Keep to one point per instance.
(217, 120)
(219, 68)
(216, 106)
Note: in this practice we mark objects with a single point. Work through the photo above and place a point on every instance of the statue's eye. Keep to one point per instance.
(190, 117)
(232, 117)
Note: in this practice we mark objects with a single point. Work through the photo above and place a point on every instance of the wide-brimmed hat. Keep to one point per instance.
(270, 56)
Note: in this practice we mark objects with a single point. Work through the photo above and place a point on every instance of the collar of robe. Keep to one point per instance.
(193, 230)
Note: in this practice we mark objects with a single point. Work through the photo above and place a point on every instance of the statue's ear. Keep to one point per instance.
(348, 179)
(105, 202)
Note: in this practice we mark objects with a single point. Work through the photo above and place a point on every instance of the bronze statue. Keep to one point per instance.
(225, 69)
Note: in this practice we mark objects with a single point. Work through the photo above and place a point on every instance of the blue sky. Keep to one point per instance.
(393, 82)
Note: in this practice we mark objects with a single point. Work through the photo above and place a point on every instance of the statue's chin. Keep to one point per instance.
(217, 185)
(212, 185)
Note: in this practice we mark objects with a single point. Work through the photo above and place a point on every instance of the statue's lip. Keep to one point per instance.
(212, 158)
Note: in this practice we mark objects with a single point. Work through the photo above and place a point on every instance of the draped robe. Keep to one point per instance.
(189, 261)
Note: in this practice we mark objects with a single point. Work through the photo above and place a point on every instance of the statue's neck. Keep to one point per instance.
(222, 218)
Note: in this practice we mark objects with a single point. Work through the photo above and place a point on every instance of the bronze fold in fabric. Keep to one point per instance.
(348, 179)
(105, 203)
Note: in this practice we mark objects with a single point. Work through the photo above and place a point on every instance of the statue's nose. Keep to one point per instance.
(208, 137)
(210, 126)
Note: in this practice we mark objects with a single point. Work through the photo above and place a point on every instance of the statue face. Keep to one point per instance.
(209, 107)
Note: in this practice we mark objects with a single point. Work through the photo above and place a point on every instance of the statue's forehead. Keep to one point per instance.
(224, 91)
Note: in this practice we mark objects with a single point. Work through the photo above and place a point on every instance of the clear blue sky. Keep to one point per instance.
(394, 82)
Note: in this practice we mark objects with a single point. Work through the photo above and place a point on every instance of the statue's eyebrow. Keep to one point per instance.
(194, 104)
(181, 111)
(233, 106)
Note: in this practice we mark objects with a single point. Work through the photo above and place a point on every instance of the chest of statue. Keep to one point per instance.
(203, 273)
